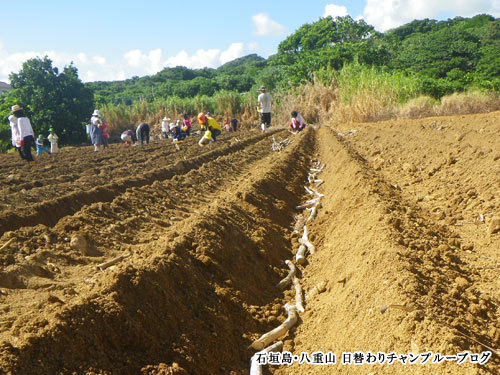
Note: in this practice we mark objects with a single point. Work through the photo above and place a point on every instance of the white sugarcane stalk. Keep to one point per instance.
(319, 288)
(279, 331)
(313, 201)
(315, 170)
(255, 366)
(318, 182)
(7, 244)
(311, 177)
(307, 205)
(300, 257)
(312, 214)
(288, 279)
(309, 191)
(298, 295)
(319, 195)
(305, 240)
(111, 262)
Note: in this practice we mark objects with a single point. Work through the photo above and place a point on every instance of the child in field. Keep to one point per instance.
(53, 139)
(105, 134)
(40, 148)
(186, 124)
(298, 122)
(226, 126)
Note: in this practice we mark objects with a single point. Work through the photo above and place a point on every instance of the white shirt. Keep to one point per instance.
(164, 126)
(265, 101)
(16, 137)
(95, 120)
(53, 138)
(24, 127)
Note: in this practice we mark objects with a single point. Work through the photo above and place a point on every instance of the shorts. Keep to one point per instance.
(265, 118)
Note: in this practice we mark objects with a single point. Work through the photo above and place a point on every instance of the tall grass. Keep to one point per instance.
(355, 93)
(223, 105)
(359, 93)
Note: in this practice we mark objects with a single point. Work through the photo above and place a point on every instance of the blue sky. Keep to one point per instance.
(111, 39)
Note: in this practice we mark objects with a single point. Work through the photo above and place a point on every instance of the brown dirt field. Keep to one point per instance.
(409, 218)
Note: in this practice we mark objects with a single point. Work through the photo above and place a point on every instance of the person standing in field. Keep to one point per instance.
(53, 139)
(95, 130)
(264, 101)
(234, 124)
(26, 134)
(16, 137)
(142, 133)
(164, 127)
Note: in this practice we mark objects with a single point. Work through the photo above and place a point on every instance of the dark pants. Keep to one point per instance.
(29, 142)
(144, 135)
(265, 118)
(215, 133)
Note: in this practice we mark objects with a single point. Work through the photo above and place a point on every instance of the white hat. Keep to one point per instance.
(96, 113)
(166, 119)
(172, 125)
(16, 108)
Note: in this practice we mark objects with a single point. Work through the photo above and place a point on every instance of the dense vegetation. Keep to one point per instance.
(446, 56)
(423, 57)
(50, 99)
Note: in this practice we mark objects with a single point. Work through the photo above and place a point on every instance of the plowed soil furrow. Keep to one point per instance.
(407, 237)
(196, 240)
(64, 201)
(400, 278)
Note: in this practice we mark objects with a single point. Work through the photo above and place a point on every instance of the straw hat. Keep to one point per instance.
(16, 108)
(96, 113)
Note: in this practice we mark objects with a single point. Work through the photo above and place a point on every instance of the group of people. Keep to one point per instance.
(180, 129)
(176, 130)
(98, 131)
(23, 136)
(264, 101)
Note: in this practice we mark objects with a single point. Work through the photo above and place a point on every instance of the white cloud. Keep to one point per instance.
(388, 14)
(234, 51)
(265, 26)
(151, 63)
(202, 58)
(335, 11)
(210, 58)
(131, 63)
(81, 57)
(99, 60)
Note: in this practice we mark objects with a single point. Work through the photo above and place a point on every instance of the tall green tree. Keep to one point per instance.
(52, 99)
